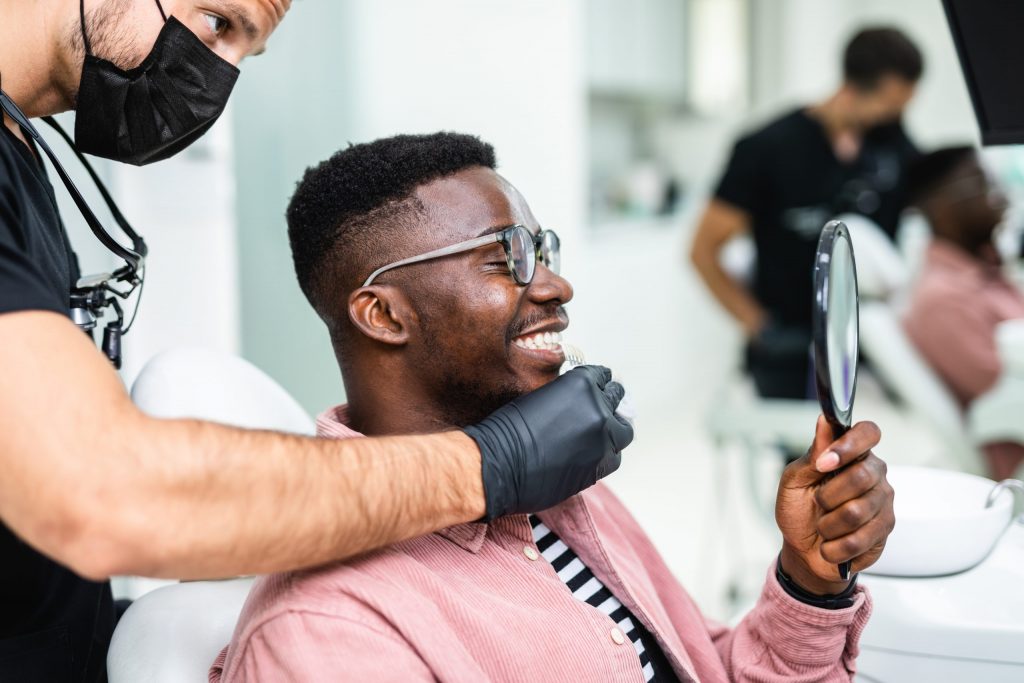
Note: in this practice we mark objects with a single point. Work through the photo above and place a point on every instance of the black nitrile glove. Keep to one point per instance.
(551, 443)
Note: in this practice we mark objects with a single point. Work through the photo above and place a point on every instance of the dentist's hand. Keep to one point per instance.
(829, 519)
(552, 443)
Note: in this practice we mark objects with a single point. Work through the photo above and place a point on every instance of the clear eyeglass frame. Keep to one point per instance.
(523, 250)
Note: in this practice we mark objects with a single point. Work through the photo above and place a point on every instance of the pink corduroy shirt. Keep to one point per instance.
(477, 602)
(954, 310)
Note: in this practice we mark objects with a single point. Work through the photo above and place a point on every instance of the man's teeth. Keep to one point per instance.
(548, 341)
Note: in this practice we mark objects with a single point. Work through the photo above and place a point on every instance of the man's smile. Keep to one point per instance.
(543, 344)
(540, 340)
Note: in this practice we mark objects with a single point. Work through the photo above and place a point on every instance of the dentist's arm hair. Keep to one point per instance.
(88, 479)
(719, 224)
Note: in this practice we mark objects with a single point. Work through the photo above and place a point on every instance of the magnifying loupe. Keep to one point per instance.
(836, 331)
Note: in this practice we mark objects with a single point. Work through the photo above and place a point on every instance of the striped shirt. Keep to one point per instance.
(588, 588)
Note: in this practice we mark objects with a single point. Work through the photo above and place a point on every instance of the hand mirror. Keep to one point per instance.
(836, 331)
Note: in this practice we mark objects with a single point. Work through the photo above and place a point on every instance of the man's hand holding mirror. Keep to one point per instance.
(834, 505)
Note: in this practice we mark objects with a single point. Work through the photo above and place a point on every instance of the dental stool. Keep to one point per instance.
(173, 634)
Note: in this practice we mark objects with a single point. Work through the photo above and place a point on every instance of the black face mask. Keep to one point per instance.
(157, 109)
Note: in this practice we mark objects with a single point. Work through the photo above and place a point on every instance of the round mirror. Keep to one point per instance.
(835, 325)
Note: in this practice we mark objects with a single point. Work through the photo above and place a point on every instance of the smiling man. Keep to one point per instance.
(442, 296)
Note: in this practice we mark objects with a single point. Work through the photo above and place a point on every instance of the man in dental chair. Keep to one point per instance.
(962, 294)
(441, 293)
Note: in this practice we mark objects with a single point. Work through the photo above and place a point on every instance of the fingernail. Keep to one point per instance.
(828, 461)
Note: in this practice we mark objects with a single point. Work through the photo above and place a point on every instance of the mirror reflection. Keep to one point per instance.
(842, 324)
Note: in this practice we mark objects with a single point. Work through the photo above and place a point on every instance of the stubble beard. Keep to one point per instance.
(111, 37)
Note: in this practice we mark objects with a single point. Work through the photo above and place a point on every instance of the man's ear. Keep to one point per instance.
(382, 313)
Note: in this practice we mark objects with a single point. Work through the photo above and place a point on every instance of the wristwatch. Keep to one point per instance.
(795, 591)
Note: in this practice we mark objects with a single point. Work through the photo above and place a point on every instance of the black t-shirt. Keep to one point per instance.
(787, 177)
(54, 625)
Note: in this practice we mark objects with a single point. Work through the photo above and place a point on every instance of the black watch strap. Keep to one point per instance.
(795, 591)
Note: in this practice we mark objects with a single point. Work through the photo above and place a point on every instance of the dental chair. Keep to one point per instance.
(918, 390)
(173, 634)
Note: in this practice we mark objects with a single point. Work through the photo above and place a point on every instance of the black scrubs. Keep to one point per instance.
(54, 625)
(788, 179)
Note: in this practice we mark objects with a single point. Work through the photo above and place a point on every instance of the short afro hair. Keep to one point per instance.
(345, 209)
(928, 173)
(880, 51)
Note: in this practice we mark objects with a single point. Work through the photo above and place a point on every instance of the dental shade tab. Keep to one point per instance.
(574, 357)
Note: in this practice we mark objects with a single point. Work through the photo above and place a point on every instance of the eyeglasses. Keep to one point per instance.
(522, 251)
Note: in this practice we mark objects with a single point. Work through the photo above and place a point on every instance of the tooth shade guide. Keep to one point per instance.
(573, 355)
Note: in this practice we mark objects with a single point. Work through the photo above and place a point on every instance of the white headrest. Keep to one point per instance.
(881, 270)
(218, 387)
(897, 363)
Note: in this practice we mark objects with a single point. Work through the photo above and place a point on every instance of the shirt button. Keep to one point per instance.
(530, 553)
(617, 636)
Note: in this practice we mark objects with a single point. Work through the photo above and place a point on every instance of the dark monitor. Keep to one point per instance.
(989, 37)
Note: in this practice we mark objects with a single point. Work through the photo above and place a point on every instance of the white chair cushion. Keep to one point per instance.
(173, 634)
(881, 270)
(218, 387)
(901, 368)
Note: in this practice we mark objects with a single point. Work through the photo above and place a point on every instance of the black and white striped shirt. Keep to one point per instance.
(588, 588)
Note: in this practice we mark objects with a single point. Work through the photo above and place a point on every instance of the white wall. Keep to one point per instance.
(816, 33)
(185, 209)
(510, 71)
(797, 56)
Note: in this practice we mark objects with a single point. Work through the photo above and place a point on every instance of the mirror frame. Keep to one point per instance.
(839, 419)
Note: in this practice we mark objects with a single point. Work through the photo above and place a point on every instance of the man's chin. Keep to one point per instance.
(535, 379)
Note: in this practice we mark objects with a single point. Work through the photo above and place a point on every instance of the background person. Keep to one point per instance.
(785, 180)
(961, 294)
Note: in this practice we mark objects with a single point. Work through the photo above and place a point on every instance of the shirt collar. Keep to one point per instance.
(333, 424)
(470, 536)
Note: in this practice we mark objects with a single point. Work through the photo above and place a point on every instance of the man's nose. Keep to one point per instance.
(548, 286)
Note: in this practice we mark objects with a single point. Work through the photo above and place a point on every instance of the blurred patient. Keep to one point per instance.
(962, 293)
(575, 593)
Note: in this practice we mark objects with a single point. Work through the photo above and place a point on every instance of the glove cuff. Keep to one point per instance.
(499, 489)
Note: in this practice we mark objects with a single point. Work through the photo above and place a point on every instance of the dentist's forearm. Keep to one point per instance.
(217, 501)
(94, 483)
